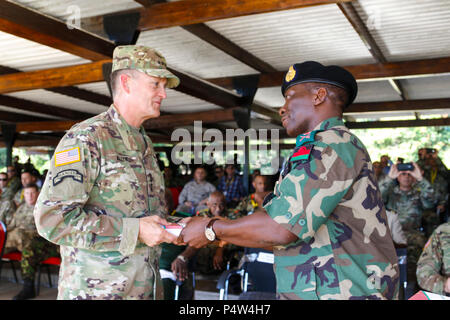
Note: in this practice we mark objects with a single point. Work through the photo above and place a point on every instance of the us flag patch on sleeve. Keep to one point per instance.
(67, 156)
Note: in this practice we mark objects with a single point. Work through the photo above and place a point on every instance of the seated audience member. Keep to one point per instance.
(428, 153)
(408, 199)
(433, 267)
(398, 236)
(194, 195)
(440, 187)
(385, 162)
(7, 210)
(26, 178)
(254, 200)
(218, 173)
(214, 256)
(232, 186)
(378, 171)
(13, 183)
(23, 236)
(171, 178)
(3, 183)
(255, 173)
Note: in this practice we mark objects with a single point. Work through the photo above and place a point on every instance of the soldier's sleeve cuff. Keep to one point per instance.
(130, 232)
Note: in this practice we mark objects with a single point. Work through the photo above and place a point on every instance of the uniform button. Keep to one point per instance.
(301, 222)
(288, 215)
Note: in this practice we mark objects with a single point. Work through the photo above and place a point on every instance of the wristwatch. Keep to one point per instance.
(209, 232)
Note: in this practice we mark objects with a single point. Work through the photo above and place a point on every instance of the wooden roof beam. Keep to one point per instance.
(360, 27)
(181, 13)
(42, 108)
(408, 105)
(399, 123)
(32, 25)
(366, 72)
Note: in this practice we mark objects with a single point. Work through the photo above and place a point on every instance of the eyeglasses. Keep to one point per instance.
(3, 179)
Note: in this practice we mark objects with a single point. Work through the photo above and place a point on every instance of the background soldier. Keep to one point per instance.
(325, 217)
(408, 199)
(103, 198)
(433, 268)
(23, 236)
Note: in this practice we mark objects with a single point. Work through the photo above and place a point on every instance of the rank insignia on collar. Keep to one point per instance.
(302, 153)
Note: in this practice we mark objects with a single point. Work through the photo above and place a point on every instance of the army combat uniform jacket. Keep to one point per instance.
(433, 268)
(327, 195)
(104, 175)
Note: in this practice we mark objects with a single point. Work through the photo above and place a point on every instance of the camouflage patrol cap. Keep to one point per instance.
(144, 59)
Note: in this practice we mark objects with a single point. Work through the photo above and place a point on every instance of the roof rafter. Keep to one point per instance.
(180, 13)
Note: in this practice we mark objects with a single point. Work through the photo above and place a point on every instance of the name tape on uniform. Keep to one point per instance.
(67, 156)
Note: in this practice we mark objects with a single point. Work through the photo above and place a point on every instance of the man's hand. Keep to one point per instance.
(218, 259)
(416, 173)
(151, 232)
(447, 285)
(194, 232)
(180, 269)
(393, 172)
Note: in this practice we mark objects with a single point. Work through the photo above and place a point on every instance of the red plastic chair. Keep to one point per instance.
(9, 257)
(175, 194)
(52, 261)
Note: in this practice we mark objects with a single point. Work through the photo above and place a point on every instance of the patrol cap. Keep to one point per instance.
(144, 59)
(312, 71)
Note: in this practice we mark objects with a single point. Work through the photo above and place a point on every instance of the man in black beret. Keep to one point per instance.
(325, 218)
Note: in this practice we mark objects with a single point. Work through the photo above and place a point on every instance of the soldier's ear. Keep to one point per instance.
(125, 82)
(319, 95)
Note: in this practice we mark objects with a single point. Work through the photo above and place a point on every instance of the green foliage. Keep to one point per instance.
(405, 142)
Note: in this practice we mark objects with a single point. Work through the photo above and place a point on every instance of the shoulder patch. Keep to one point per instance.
(302, 153)
(67, 156)
(70, 173)
(427, 244)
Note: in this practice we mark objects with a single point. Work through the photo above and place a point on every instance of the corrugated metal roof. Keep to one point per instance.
(28, 113)
(406, 30)
(188, 53)
(64, 8)
(27, 55)
(286, 37)
(59, 100)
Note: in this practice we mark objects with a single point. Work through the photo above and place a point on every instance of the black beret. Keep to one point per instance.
(312, 71)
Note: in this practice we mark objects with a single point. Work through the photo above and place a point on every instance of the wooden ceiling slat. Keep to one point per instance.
(360, 27)
(398, 123)
(55, 77)
(408, 105)
(34, 26)
(179, 13)
(376, 71)
(33, 106)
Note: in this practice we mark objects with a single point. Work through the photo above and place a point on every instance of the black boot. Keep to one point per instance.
(27, 292)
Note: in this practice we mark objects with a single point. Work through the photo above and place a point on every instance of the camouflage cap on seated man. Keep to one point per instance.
(144, 59)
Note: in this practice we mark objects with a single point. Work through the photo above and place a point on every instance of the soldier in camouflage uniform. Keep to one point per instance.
(325, 218)
(408, 199)
(254, 200)
(103, 199)
(7, 210)
(435, 175)
(23, 236)
(433, 268)
(12, 184)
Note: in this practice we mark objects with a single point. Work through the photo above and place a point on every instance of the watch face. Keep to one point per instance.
(209, 234)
